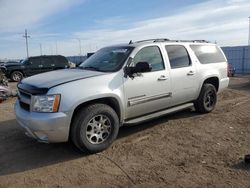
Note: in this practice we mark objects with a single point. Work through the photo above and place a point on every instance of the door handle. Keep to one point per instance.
(190, 73)
(40, 66)
(162, 78)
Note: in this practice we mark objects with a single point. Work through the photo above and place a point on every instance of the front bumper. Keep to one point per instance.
(45, 127)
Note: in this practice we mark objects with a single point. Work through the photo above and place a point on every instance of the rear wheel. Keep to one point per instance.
(207, 99)
(16, 76)
(94, 128)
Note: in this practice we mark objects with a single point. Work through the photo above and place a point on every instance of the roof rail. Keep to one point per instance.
(168, 40)
(153, 40)
(194, 41)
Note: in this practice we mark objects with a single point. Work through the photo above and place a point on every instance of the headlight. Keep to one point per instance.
(45, 103)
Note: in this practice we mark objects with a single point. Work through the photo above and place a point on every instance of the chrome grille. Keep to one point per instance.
(24, 100)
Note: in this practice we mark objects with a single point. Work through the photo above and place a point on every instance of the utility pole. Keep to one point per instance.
(41, 49)
(56, 48)
(51, 50)
(249, 32)
(80, 45)
(26, 38)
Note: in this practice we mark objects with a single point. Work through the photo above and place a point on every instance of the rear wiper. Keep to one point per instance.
(90, 68)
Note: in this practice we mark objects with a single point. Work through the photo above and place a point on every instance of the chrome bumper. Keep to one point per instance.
(45, 127)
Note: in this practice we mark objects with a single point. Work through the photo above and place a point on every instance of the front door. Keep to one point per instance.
(147, 92)
(34, 66)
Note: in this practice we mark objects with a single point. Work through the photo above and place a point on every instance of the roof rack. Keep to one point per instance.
(194, 41)
(168, 40)
(153, 40)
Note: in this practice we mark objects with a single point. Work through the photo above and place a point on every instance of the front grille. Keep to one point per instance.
(24, 100)
(24, 106)
(22, 94)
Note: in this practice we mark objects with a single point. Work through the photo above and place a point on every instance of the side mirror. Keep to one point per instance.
(140, 67)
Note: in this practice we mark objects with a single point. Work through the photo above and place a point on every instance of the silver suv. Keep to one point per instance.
(118, 85)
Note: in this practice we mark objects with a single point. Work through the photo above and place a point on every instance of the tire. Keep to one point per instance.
(207, 99)
(94, 128)
(16, 76)
(3, 80)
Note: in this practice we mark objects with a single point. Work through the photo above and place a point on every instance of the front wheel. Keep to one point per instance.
(94, 128)
(16, 76)
(207, 99)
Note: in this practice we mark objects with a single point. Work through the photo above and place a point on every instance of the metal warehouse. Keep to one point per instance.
(239, 57)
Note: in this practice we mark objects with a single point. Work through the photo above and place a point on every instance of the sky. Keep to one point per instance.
(73, 27)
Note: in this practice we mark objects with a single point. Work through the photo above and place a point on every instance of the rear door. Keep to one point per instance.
(183, 74)
(47, 64)
(60, 62)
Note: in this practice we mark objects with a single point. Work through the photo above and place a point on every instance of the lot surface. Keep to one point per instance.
(185, 149)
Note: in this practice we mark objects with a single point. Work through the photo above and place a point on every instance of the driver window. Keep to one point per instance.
(151, 55)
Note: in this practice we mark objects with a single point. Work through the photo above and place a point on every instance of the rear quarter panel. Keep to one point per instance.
(209, 70)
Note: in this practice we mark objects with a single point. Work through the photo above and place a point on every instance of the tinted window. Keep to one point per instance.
(59, 61)
(35, 61)
(151, 55)
(208, 53)
(178, 56)
(47, 62)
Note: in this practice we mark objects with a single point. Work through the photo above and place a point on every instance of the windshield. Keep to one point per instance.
(108, 59)
(24, 61)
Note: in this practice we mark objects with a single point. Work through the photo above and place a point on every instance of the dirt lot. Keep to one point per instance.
(181, 150)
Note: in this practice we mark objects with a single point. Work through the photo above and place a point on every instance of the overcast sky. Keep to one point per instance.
(97, 23)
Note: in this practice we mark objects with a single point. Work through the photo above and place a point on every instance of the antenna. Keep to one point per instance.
(26, 38)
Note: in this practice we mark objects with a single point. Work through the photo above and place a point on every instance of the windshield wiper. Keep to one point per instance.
(90, 68)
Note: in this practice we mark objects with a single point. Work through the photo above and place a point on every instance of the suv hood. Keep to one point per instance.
(11, 64)
(41, 83)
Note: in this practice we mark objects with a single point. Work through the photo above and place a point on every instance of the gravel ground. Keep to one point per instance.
(185, 149)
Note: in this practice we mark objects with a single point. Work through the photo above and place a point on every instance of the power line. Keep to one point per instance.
(26, 39)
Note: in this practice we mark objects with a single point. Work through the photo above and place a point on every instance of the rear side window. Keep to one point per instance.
(60, 61)
(178, 56)
(208, 54)
(151, 55)
(47, 62)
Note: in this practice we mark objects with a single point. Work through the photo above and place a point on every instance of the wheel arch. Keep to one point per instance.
(19, 70)
(110, 101)
(214, 80)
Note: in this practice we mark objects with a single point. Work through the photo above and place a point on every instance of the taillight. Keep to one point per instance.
(227, 69)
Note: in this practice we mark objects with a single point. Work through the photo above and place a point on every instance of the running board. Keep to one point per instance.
(158, 114)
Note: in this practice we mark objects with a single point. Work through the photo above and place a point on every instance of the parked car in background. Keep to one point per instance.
(118, 85)
(3, 79)
(34, 65)
(231, 70)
